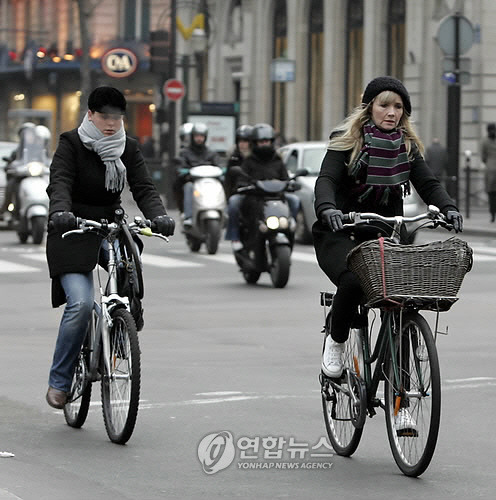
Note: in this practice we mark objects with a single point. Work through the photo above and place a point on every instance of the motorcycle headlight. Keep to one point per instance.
(283, 222)
(35, 168)
(272, 222)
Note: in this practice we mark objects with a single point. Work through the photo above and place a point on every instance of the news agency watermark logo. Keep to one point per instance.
(218, 450)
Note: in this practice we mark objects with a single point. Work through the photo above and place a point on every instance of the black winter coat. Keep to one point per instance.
(334, 189)
(195, 156)
(261, 169)
(77, 184)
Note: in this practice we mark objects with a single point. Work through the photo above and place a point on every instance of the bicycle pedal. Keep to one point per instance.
(407, 433)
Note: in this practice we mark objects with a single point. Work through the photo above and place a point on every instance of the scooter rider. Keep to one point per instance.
(241, 151)
(195, 154)
(263, 163)
(27, 139)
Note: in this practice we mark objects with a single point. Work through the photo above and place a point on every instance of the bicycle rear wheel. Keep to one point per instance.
(131, 277)
(343, 418)
(121, 386)
(413, 406)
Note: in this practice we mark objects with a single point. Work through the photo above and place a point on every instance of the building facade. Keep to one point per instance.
(40, 59)
(298, 64)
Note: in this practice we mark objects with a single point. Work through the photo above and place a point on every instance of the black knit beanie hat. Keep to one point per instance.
(382, 83)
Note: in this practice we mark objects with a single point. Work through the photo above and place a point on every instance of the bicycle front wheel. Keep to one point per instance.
(78, 401)
(121, 378)
(413, 396)
(344, 415)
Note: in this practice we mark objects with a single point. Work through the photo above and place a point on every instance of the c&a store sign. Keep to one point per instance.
(119, 62)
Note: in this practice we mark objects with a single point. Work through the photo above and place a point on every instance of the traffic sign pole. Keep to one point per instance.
(455, 37)
(453, 119)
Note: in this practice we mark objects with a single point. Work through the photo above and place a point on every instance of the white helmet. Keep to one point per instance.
(43, 132)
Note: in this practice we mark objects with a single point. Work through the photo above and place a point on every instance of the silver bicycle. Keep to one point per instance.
(110, 352)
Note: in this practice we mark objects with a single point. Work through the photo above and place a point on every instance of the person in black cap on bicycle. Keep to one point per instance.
(88, 173)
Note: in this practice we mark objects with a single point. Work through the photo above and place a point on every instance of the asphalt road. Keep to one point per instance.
(222, 356)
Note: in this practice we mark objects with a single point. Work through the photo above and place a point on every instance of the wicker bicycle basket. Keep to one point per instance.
(431, 274)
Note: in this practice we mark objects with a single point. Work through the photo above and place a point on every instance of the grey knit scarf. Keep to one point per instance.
(109, 149)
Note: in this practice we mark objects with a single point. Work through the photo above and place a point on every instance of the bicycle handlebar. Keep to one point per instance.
(139, 226)
(433, 214)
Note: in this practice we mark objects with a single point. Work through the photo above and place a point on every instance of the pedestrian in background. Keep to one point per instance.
(436, 156)
(488, 157)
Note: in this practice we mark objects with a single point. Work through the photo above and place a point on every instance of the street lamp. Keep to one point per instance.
(198, 45)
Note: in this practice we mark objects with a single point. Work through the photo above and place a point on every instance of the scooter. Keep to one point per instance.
(209, 205)
(30, 208)
(267, 230)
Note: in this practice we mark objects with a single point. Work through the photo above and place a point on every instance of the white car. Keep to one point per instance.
(309, 155)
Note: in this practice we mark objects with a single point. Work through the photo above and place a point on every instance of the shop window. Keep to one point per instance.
(354, 54)
(279, 50)
(315, 66)
(136, 20)
(396, 38)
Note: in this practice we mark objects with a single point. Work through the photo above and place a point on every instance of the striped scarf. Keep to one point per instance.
(382, 167)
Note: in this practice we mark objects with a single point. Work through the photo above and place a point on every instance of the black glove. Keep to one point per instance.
(333, 218)
(455, 218)
(63, 221)
(163, 224)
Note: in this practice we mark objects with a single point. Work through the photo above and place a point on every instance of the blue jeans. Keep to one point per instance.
(79, 291)
(188, 200)
(233, 207)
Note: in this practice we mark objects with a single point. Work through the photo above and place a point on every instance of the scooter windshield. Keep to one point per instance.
(32, 147)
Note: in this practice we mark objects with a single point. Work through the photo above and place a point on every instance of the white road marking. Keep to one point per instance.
(12, 267)
(304, 257)
(225, 258)
(160, 261)
(39, 257)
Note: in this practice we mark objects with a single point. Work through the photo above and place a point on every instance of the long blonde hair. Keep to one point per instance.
(348, 134)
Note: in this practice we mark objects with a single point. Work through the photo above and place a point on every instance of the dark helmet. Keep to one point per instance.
(199, 129)
(263, 131)
(244, 132)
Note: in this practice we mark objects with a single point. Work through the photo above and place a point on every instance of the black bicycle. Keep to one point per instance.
(110, 352)
(391, 342)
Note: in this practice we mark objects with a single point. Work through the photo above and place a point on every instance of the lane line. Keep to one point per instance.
(11, 267)
(168, 262)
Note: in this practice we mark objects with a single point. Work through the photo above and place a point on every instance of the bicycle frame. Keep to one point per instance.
(101, 321)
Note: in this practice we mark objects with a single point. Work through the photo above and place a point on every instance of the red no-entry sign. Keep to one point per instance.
(174, 89)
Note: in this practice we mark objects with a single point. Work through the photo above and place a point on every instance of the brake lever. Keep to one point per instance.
(73, 231)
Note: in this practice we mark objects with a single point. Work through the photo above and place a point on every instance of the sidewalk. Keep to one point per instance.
(478, 224)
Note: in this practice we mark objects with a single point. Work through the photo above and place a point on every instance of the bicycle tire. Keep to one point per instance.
(77, 407)
(419, 394)
(344, 426)
(120, 389)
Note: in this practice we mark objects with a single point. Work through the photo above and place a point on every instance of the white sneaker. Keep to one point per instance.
(405, 424)
(332, 358)
(188, 222)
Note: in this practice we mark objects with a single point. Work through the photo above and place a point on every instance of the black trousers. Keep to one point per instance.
(331, 250)
(492, 204)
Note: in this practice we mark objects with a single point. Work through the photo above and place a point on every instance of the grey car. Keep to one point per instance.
(309, 155)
